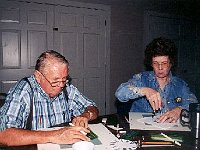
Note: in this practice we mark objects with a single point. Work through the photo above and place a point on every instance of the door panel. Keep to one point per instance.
(37, 43)
(91, 53)
(68, 43)
(10, 49)
(36, 16)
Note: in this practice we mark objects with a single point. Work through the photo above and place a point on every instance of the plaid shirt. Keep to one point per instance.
(2, 119)
(46, 112)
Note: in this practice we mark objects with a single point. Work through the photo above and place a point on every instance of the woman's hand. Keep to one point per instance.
(152, 96)
(171, 116)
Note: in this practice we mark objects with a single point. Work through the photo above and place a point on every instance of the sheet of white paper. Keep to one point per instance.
(139, 122)
(151, 121)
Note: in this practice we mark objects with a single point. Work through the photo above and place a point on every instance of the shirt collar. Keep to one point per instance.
(153, 78)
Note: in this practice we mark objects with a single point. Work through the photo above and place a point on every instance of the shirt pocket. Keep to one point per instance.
(174, 102)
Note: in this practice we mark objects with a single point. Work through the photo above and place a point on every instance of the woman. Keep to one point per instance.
(158, 89)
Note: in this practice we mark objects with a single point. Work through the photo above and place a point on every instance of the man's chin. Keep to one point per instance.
(53, 95)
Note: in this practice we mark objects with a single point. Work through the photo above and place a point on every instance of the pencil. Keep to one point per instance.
(156, 143)
(176, 142)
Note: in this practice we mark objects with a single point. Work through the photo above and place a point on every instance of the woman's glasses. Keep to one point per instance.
(164, 64)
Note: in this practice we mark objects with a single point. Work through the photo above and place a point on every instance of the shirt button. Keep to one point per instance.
(51, 105)
(168, 102)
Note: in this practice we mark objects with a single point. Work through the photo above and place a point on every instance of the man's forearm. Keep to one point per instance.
(91, 113)
(17, 137)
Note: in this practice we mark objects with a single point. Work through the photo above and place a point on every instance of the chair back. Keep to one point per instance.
(2, 98)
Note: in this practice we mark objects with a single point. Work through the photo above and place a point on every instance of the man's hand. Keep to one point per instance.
(171, 116)
(69, 135)
(152, 96)
(90, 113)
(18, 137)
(80, 121)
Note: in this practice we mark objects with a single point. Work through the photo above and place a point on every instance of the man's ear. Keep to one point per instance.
(69, 80)
(37, 76)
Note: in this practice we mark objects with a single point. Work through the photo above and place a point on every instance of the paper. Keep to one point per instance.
(151, 121)
(122, 144)
(104, 137)
(144, 121)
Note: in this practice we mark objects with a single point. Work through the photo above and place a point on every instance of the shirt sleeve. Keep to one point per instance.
(16, 107)
(2, 124)
(187, 97)
(129, 90)
(77, 101)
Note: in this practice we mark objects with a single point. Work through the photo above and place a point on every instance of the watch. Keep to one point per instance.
(90, 114)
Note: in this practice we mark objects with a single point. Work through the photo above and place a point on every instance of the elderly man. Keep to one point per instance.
(43, 100)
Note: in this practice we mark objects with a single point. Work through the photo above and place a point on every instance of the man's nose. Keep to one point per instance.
(61, 84)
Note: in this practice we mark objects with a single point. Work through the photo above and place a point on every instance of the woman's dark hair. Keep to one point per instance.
(160, 47)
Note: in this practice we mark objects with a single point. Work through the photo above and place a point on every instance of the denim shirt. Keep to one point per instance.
(175, 94)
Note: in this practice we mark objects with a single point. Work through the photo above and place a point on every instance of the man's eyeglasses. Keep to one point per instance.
(56, 83)
(164, 64)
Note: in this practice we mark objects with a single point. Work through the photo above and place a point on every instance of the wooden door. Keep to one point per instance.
(80, 35)
(25, 32)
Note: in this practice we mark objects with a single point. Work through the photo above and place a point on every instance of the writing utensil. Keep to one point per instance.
(153, 113)
(71, 124)
(170, 139)
(156, 112)
(142, 143)
(127, 119)
(40, 121)
(156, 143)
(83, 132)
(91, 135)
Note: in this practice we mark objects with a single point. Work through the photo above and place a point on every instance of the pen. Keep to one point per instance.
(71, 124)
(63, 116)
(156, 111)
(153, 113)
(176, 142)
(40, 121)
